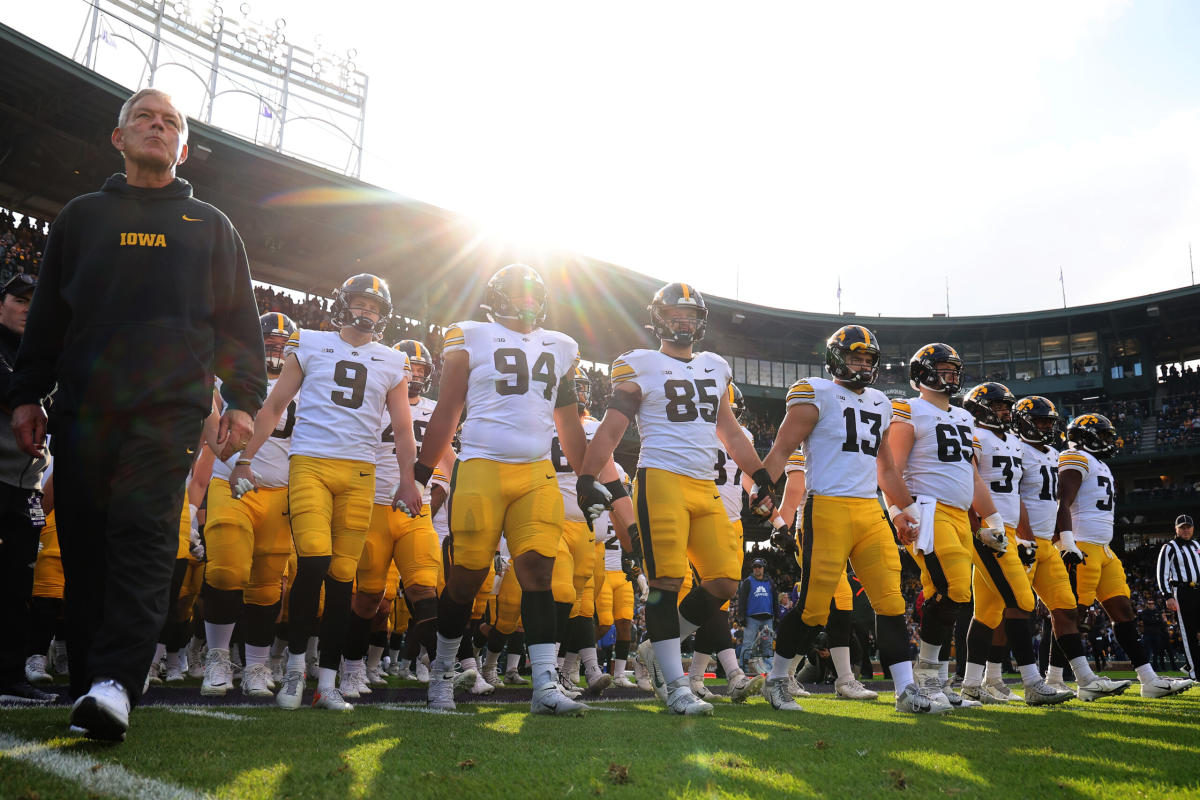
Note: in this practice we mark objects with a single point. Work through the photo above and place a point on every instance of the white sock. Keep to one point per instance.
(992, 673)
(374, 656)
(295, 662)
(618, 667)
(781, 667)
(512, 662)
(353, 665)
(490, 660)
(902, 675)
(1055, 674)
(930, 652)
(943, 670)
(325, 678)
(1029, 674)
(729, 662)
(160, 651)
(256, 655)
(699, 665)
(669, 658)
(447, 652)
(1145, 673)
(687, 627)
(277, 647)
(1082, 669)
(973, 676)
(841, 661)
(542, 663)
(589, 660)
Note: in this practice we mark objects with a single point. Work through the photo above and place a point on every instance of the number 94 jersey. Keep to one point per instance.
(1092, 511)
(939, 464)
(341, 401)
(677, 419)
(841, 450)
(512, 388)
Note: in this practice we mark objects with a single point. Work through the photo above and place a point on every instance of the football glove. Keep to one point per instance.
(991, 534)
(783, 539)
(1071, 554)
(631, 560)
(1027, 551)
(762, 502)
(498, 564)
(643, 587)
(593, 498)
(196, 544)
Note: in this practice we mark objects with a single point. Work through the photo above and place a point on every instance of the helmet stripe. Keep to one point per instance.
(687, 292)
(374, 284)
(866, 335)
(279, 321)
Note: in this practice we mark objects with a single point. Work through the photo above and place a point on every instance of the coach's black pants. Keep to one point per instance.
(1188, 599)
(118, 488)
(18, 551)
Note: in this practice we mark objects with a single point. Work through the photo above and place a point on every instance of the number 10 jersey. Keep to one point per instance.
(512, 389)
(840, 452)
(677, 419)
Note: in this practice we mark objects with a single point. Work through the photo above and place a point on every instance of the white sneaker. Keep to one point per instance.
(218, 674)
(393, 668)
(998, 687)
(565, 685)
(622, 681)
(1043, 694)
(658, 683)
(103, 713)
(480, 686)
(422, 673)
(681, 700)
(331, 699)
(375, 677)
(175, 673)
(597, 682)
(59, 649)
(698, 688)
(929, 684)
(465, 679)
(353, 682)
(514, 678)
(492, 675)
(256, 681)
(642, 676)
(775, 690)
(757, 666)
(742, 687)
(913, 701)
(154, 677)
(1060, 685)
(276, 665)
(1184, 683)
(292, 692)
(195, 655)
(550, 700)
(851, 689)
(440, 694)
(979, 695)
(35, 670)
(794, 688)
(404, 672)
(1162, 687)
(958, 700)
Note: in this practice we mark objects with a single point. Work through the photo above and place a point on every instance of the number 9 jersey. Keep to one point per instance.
(511, 389)
(342, 399)
(842, 448)
(678, 415)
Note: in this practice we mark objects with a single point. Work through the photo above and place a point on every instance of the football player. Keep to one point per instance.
(933, 444)
(614, 594)
(516, 382)
(394, 538)
(1001, 586)
(845, 427)
(46, 603)
(248, 541)
(1037, 424)
(1086, 498)
(680, 399)
(344, 379)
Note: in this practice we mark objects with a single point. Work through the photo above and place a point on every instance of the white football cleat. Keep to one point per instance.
(375, 677)
(59, 649)
(256, 681)
(291, 693)
(642, 676)
(1043, 694)
(742, 687)
(218, 674)
(622, 681)
(795, 689)
(514, 678)
(913, 701)
(480, 686)
(35, 670)
(175, 673)
(196, 651)
(698, 688)
(597, 682)
(549, 699)
(464, 679)
(276, 665)
(492, 675)
(422, 673)
(775, 690)
(102, 713)
(681, 700)
(330, 699)
(851, 689)
(998, 687)
(658, 682)
(565, 685)
(1162, 687)
(353, 682)
(440, 694)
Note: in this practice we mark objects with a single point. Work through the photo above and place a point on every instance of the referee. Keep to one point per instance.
(1179, 581)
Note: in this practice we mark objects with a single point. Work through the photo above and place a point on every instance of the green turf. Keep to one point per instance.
(1124, 747)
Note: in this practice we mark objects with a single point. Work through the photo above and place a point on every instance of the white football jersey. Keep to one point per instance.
(999, 458)
(512, 388)
(1092, 511)
(566, 477)
(387, 470)
(270, 463)
(939, 465)
(344, 394)
(677, 418)
(797, 462)
(729, 480)
(841, 450)
(1039, 488)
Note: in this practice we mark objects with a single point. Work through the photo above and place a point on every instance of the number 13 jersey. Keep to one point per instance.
(512, 388)
(677, 419)
(840, 452)
(341, 401)
(939, 464)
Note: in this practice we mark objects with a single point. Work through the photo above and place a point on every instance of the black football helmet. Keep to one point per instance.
(367, 285)
(1026, 414)
(276, 330)
(922, 368)
(736, 401)
(1093, 433)
(846, 340)
(418, 355)
(583, 389)
(677, 295)
(507, 287)
(979, 402)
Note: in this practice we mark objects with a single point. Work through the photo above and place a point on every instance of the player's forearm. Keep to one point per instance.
(982, 503)
(264, 423)
(599, 451)
(439, 433)
(623, 517)
(895, 491)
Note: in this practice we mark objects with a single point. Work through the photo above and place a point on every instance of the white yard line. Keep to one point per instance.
(207, 712)
(419, 710)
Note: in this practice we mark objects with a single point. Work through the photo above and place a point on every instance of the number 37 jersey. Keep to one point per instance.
(841, 450)
(678, 415)
(343, 395)
(512, 388)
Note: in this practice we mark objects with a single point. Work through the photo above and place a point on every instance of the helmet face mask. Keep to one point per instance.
(937, 367)
(852, 356)
(420, 361)
(678, 314)
(583, 389)
(277, 329)
(1093, 433)
(991, 404)
(364, 303)
(1036, 420)
(516, 293)
(737, 402)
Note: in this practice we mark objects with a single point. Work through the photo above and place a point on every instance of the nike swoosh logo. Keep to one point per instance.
(363, 474)
(708, 369)
(547, 344)
(878, 402)
(549, 477)
(186, 218)
(373, 358)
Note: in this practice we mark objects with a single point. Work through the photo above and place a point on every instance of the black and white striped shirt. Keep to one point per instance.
(1178, 563)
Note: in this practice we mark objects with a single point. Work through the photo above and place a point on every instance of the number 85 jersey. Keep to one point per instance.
(677, 419)
(512, 388)
(842, 448)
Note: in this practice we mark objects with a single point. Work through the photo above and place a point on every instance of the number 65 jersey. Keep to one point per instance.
(1092, 511)
(677, 419)
(512, 388)
(840, 452)
(939, 464)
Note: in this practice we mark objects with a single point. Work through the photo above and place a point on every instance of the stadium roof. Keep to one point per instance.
(307, 228)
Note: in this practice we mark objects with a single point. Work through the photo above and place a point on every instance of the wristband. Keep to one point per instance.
(763, 479)
(894, 511)
(422, 473)
(617, 489)
(242, 462)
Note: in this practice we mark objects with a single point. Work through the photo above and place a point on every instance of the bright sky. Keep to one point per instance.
(765, 150)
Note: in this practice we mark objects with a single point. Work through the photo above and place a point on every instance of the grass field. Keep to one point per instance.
(1123, 747)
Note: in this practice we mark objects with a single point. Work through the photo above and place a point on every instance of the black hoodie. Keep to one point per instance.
(143, 294)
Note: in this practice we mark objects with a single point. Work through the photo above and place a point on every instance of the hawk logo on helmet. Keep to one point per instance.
(982, 402)
(1093, 433)
(923, 368)
(1028, 412)
(852, 339)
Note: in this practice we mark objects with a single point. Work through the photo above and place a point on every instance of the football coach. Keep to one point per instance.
(144, 293)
